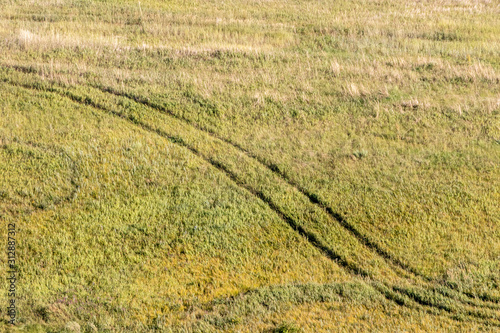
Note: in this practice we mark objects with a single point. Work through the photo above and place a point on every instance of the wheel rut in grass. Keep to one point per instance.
(313, 198)
(367, 241)
(399, 295)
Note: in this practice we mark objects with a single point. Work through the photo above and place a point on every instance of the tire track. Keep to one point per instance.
(308, 289)
(313, 239)
(313, 198)
(396, 294)
(392, 260)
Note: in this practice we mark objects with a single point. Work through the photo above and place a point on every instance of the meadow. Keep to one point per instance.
(251, 166)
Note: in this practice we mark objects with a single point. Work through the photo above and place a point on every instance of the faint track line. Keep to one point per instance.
(313, 198)
(392, 293)
(273, 168)
(73, 166)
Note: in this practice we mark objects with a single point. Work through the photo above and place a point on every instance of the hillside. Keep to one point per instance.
(243, 166)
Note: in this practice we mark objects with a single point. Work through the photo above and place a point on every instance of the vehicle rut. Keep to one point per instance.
(393, 261)
(392, 293)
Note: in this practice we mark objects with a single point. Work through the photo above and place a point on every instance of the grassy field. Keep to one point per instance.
(251, 166)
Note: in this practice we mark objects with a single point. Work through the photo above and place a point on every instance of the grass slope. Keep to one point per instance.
(204, 166)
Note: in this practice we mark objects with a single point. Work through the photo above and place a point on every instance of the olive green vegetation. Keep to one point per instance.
(276, 166)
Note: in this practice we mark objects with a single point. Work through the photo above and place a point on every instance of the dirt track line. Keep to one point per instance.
(313, 239)
(273, 168)
(310, 237)
(313, 198)
(335, 287)
(392, 293)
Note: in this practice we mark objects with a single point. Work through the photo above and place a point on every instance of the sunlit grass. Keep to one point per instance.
(155, 156)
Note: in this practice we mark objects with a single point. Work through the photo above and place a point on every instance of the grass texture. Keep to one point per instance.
(242, 166)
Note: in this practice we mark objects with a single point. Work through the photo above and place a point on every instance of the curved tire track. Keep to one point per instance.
(392, 260)
(392, 293)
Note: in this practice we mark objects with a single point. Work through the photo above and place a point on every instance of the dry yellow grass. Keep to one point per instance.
(263, 165)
